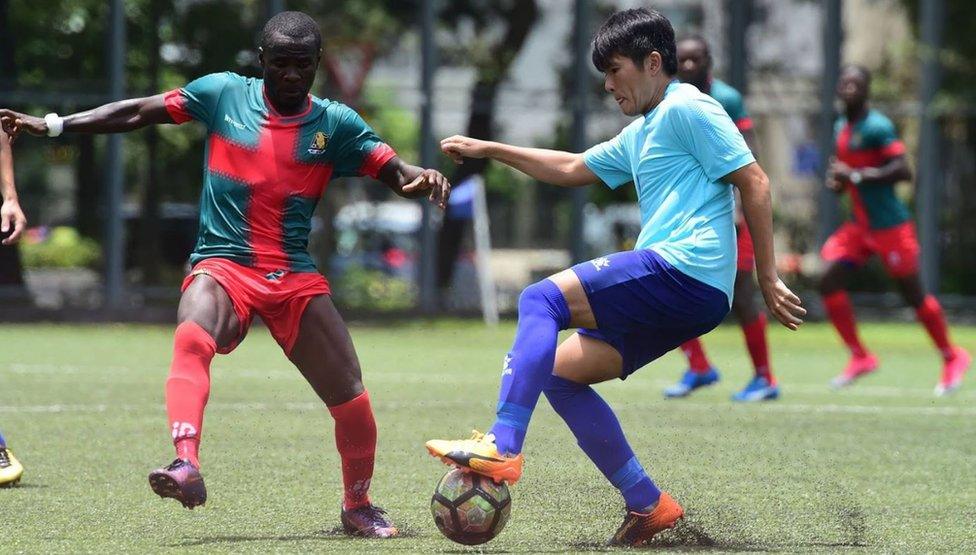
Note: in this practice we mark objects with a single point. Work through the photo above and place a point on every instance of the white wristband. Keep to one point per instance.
(55, 124)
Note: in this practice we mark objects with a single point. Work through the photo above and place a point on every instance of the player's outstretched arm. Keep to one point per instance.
(565, 169)
(892, 170)
(115, 117)
(753, 187)
(415, 182)
(12, 219)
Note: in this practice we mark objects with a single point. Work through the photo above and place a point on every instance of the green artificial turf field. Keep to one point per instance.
(882, 466)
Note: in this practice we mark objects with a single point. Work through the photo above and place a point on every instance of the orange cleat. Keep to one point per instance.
(638, 528)
(479, 455)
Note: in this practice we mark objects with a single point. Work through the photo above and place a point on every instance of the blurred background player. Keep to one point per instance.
(695, 67)
(12, 224)
(870, 159)
(631, 307)
(272, 149)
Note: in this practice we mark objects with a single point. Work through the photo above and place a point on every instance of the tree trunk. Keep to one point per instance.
(520, 19)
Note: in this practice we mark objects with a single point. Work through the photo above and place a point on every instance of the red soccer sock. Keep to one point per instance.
(697, 361)
(188, 388)
(841, 313)
(355, 433)
(755, 333)
(930, 315)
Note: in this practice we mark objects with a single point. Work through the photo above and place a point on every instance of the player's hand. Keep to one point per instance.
(12, 221)
(15, 122)
(433, 181)
(839, 170)
(459, 147)
(783, 303)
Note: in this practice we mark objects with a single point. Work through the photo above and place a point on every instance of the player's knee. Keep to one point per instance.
(191, 340)
(559, 390)
(544, 298)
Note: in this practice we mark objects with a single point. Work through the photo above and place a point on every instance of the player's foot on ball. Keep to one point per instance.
(368, 521)
(691, 381)
(858, 367)
(480, 455)
(953, 370)
(181, 481)
(10, 468)
(759, 389)
(638, 528)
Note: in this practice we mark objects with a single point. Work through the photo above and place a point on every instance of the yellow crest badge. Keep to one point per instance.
(319, 141)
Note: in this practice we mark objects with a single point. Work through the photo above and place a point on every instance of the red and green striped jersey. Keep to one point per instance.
(264, 172)
(869, 143)
(731, 101)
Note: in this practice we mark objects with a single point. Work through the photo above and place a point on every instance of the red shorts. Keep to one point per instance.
(743, 241)
(278, 298)
(897, 246)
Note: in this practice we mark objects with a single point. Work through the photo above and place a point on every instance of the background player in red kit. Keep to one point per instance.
(272, 149)
(870, 160)
(695, 67)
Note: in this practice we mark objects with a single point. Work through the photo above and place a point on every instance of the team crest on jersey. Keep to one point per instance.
(318, 143)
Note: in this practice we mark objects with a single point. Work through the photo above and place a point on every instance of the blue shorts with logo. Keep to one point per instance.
(644, 307)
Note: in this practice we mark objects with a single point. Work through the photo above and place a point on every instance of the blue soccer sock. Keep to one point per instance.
(598, 433)
(542, 313)
(3, 442)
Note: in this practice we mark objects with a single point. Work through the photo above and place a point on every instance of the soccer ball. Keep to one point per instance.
(469, 508)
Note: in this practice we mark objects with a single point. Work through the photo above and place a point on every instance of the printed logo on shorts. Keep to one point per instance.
(183, 429)
(275, 275)
(894, 259)
(600, 263)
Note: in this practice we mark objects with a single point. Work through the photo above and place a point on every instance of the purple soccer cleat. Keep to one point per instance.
(181, 481)
(368, 521)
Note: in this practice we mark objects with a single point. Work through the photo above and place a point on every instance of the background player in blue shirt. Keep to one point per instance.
(695, 68)
(684, 154)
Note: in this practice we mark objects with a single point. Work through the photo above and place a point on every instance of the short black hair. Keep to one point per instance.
(700, 40)
(857, 68)
(635, 34)
(295, 25)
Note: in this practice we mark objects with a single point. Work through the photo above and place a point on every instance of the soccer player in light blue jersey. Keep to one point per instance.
(684, 155)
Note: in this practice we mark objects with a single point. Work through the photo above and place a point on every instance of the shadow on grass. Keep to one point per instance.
(691, 536)
(335, 534)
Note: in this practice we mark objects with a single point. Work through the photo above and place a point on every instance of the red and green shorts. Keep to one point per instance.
(278, 297)
(855, 243)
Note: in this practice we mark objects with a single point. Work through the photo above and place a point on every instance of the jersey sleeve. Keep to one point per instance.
(609, 160)
(707, 132)
(881, 135)
(198, 99)
(736, 108)
(359, 151)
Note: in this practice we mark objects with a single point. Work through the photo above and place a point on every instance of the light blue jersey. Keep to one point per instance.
(676, 155)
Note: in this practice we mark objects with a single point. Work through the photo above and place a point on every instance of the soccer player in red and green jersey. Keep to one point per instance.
(12, 225)
(695, 67)
(271, 151)
(869, 161)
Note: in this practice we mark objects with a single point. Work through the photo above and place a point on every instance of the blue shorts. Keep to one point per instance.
(644, 307)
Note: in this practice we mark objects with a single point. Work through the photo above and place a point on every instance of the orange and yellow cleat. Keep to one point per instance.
(10, 468)
(479, 455)
(638, 528)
